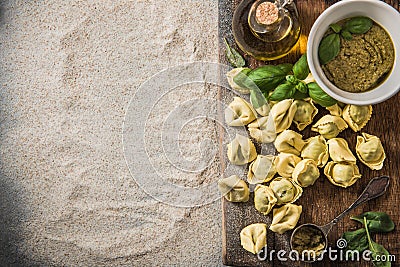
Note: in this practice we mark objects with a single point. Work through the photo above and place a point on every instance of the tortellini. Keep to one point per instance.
(253, 237)
(357, 116)
(342, 174)
(241, 150)
(289, 141)
(370, 151)
(264, 199)
(317, 150)
(335, 110)
(305, 113)
(298, 161)
(285, 218)
(285, 163)
(286, 190)
(305, 173)
(232, 74)
(234, 189)
(329, 126)
(263, 130)
(339, 151)
(261, 170)
(283, 113)
(239, 112)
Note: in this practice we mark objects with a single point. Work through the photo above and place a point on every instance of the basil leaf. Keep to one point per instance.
(358, 25)
(377, 250)
(356, 240)
(285, 67)
(302, 87)
(335, 27)
(233, 56)
(319, 96)
(300, 68)
(377, 222)
(241, 77)
(267, 77)
(257, 99)
(329, 48)
(346, 35)
(299, 95)
(283, 91)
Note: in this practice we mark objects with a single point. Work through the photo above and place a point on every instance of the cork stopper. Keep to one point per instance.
(267, 13)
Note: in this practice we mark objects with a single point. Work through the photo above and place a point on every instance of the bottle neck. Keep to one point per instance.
(269, 20)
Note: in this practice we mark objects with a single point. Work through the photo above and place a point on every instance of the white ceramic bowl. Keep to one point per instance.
(382, 13)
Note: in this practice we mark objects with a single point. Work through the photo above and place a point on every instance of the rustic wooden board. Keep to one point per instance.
(323, 201)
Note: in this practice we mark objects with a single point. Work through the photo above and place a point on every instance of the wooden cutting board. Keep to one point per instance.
(323, 201)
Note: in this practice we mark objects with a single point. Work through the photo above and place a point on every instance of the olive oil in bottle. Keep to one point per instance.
(266, 29)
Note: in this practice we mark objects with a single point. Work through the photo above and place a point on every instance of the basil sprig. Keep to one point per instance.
(360, 239)
(329, 47)
(285, 80)
(233, 56)
(280, 79)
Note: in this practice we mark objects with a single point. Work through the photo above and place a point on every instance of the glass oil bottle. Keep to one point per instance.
(266, 29)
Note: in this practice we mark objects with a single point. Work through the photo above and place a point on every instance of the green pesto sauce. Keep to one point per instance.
(308, 238)
(363, 62)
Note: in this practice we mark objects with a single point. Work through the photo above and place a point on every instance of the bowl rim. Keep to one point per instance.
(325, 84)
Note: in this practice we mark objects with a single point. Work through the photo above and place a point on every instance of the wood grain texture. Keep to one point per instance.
(323, 201)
